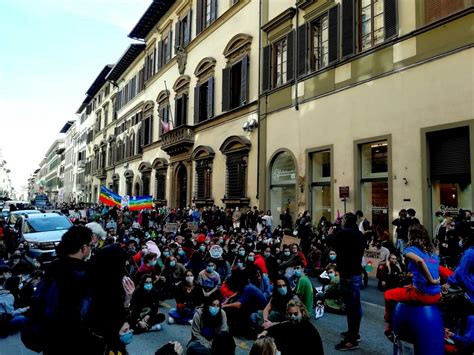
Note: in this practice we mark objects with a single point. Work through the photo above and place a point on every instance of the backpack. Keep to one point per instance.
(43, 311)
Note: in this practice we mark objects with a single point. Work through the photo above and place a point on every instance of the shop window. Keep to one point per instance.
(283, 185)
(321, 188)
(374, 185)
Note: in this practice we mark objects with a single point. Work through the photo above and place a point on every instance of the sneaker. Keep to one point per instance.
(345, 334)
(171, 320)
(155, 328)
(347, 345)
(390, 336)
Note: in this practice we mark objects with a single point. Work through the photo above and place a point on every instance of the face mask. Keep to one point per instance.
(295, 318)
(332, 257)
(166, 254)
(173, 263)
(202, 248)
(251, 258)
(460, 243)
(267, 255)
(152, 262)
(283, 290)
(240, 265)
(189, 279)
(148, 286)
(298, 273)
(332, 275)
(180, 252)
(210, 269)
(286, 253)
(440, 219)
(214, 310)
(242, 252)
(127, 337)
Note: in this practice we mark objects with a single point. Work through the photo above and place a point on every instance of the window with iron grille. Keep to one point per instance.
(203, 179)
(128, 184)
(160, 184)
(236, 175)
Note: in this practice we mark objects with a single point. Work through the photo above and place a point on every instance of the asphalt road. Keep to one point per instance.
(329, 326)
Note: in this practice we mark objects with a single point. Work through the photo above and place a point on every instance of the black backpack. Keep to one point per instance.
(43, 312)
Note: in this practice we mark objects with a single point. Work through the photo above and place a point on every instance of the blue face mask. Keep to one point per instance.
(181, 252)
(251, 258)
(210, 269)
(295, 318)
(148, 286)
(173, 263)
(286, 253)
(298, 273)
(202, 248)
(152, 262)
(166, 254)
(242, 252)
(240, 265)
(332, 257)
(283, 290)
(214, 310)
(267, 255)
(127, 337)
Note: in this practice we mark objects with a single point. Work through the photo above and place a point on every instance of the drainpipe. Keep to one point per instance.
(295, 56)
(260, 4)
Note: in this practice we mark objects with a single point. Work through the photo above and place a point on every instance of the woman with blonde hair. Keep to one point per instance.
(296, 335)
(264, 346)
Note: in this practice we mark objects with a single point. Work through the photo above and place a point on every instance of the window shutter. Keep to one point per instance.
(150, 130)
(160, 54)
(390, 18)
(170, 46)
(153, 69)
(213, 10)
(226, 83)
(141, 138)
(145, 77)
(187, 35)
(266, 70)
(184, 102)
(177, 28)
(196, 104)
(199, 18)
(290, 60)
(348, 28)
(302, 49)
(210, 97)
(244, 81)
(333, 43)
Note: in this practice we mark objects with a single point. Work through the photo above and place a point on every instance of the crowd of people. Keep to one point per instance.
(231, 272)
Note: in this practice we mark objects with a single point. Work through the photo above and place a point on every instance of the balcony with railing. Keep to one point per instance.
(177, 141)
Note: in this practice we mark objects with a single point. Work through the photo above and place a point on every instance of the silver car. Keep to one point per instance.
(41, 233)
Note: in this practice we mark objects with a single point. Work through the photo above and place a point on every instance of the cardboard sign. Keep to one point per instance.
(287, 240)
(216, 251)
(193, 226)
(171, 227)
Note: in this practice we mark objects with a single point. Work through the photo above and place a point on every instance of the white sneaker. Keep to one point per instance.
(171, 320)
(156, 327)
(190, 322)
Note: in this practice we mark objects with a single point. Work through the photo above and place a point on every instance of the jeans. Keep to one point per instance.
(401, 245)
(181, 317)
(350, 292)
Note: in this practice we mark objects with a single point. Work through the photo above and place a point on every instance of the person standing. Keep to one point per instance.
(350, 246)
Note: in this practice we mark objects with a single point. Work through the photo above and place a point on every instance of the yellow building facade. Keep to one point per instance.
(367, 105)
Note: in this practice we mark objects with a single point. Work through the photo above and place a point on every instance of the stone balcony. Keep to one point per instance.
(177, 141)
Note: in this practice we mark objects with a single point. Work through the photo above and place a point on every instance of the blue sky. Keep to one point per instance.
(50, 53)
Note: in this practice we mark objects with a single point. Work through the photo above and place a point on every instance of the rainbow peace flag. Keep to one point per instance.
(140, 203)
(109, 198)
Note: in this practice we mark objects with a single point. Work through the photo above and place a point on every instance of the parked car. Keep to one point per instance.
(13, 216)
(41, 233)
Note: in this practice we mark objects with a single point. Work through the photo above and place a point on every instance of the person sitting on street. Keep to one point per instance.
(209, 280)
(172, 275)
(188, 296)
(389, 274)
(144, 305)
